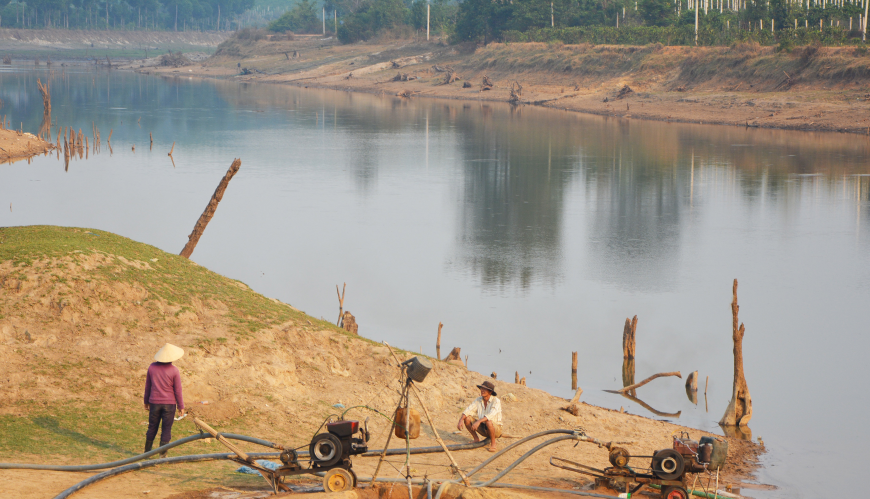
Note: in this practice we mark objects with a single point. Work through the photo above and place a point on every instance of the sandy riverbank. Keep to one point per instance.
(15, 145)
(71, 297)
(819, 89)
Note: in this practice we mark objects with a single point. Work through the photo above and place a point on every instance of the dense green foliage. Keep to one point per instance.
(301, 18)
(124, 14)
(681, 35)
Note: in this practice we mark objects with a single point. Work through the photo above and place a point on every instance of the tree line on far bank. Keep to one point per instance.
(670, 22)
(178, 15)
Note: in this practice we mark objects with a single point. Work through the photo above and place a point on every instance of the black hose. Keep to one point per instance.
(515, 444)
(155, 462)
(113, 464)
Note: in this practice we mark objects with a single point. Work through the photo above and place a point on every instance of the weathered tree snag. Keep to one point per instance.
(523, 381)
(517, 377)
(207, 215)
(628, 338)
(739, 410)
(628, 374)
(46, 109)
(454, 354)
(654, 376)
(340, 302)
(573, 370)
(438, 343)
(572, 406)
(651, 409)
(692, 387)
(348, 323)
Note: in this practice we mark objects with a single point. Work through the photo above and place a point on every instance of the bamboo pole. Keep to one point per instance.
(431, 423)
(220, 438)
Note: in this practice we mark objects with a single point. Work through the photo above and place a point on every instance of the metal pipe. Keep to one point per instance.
(113, 464)
(428, 489)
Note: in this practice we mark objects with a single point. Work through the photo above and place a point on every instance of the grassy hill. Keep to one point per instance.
(83, 311)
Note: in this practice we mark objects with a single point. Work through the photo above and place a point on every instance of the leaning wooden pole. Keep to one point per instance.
(207, 215)
(438, 343)
(739, 410)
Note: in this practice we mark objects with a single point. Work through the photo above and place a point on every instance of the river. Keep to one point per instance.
(529, 233)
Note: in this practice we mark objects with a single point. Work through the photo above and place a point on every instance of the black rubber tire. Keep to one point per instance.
(673, 493)
(668, 464)
(354, 477)
(325, 450)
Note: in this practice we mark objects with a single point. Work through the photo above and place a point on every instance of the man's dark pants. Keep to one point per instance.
(162, 415)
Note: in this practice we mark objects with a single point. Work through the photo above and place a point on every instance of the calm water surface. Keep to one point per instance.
(529, 233)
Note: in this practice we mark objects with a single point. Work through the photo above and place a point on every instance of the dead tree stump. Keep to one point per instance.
(454, 354)
(438, 343)
(207, 215)
(692, 387)
(348, 322)
(628, 338)
(739, 410)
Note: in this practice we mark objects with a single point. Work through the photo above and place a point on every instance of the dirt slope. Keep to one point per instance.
(744, 85)
(82, 312)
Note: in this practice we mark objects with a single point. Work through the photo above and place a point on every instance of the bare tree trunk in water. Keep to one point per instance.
(207, 215)
(739, 410)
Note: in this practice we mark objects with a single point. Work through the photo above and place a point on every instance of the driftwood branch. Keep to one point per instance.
(654, 376)
(650, 409)
(207, 215)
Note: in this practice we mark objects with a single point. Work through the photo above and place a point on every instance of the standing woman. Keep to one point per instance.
(163, 395)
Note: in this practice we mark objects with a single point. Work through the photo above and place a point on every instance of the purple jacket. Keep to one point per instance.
(163, 385)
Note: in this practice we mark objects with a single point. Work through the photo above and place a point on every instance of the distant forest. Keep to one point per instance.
(200, 15)
(670, 22)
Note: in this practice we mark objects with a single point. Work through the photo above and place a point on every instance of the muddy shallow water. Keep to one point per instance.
(529, 233)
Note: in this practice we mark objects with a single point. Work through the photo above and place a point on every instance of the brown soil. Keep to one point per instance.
(277, 384)
(15, 145)
(744, 85)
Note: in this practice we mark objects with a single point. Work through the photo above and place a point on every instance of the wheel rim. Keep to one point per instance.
(676, 494)
(324, 450)
(338, 480)
(669, 465)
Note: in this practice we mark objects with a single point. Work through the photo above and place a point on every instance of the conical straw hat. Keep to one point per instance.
(169, 353)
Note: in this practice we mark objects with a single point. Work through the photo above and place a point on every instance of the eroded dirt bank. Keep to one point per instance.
(746, 85)
(83, 311)
(15, 145)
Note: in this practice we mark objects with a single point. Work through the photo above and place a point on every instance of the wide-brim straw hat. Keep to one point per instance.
(488, 386)
(169, 353)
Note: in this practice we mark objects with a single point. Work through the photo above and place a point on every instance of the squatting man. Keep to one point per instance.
(483, 416)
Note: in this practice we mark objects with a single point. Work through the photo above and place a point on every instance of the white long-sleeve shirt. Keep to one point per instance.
(492, 411)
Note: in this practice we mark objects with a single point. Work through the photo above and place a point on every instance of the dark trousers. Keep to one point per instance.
(158, 413)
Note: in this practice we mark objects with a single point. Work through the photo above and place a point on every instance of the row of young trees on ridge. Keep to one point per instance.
(664, 21)
(201, 15)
